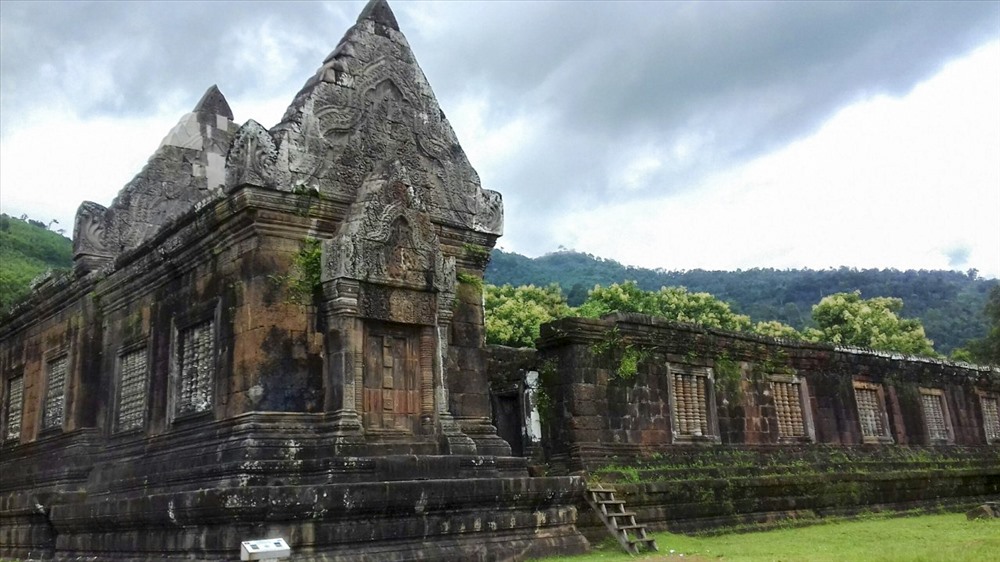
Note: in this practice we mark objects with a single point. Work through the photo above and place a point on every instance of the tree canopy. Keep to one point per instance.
(848, 319)
(673, 303)
(949, 304)
(514, 315)
(985, 349)
(28, 249)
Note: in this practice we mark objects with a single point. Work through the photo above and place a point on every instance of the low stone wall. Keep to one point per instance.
(477, 519)
(699, 489)
(630, 385)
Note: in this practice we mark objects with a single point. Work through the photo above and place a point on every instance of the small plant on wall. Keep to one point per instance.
(548, 373)
(303, 282)
(622, 357)
(477, 254)
(728, 375)
(469, 279)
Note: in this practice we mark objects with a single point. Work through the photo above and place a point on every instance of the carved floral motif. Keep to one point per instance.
(252, 158)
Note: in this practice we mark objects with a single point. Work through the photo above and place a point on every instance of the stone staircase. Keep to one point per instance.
(620, 523)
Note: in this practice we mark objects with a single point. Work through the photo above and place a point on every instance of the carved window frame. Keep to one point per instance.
(136, 347)
(16, 378)
(928, 394)
(990, 415)
(706, 376)
(49, 359)
(205, 314)
(805, 412)
(880, 413)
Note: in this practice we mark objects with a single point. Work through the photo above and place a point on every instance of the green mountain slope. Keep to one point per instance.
(948, 303)
(28, 249)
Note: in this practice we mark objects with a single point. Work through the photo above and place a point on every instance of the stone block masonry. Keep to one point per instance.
(703, 428)
(276, 333)
(280, 332)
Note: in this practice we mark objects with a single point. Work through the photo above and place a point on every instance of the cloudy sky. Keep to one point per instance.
(661, 134)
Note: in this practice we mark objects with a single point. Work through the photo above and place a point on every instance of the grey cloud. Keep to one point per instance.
(602, 76)
(125, 57)
(750, 76)
(958, 256)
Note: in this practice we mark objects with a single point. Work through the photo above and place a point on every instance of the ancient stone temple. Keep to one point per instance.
(276, 333)
(279, 333)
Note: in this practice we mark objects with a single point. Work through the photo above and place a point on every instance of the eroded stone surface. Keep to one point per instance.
(276, 331)
(188, 166)
(370, 103)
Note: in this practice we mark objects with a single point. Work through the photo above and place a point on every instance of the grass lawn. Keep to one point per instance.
(948, 537)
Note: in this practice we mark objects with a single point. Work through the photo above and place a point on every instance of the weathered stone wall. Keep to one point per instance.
(276, 331)
(697, 488)
(599, 407)
(774, 429)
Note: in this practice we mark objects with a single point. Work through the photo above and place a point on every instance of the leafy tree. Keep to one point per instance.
(514, 315)
(775, 329)
(986, 349)
(847, 319)
(673, 303)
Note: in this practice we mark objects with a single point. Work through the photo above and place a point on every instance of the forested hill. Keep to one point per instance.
(948, 303)
(28, 249)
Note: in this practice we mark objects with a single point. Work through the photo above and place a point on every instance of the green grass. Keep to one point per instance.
(911, 539)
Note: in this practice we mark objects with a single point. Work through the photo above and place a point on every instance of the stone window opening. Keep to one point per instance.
(990, 403)
(692, 401)
(13, 407)
(54, 408)
(936, 419)
(791, 399)
(133, 377)
(194, 369)
(872, 416)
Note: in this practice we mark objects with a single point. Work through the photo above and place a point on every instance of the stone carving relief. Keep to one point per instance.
(387, 238)
(368, 103)
(252, 159)
(188, 167)
(90, 233)
(489, 215)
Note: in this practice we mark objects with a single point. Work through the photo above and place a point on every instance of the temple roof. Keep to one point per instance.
(214, 103)
(379, 12)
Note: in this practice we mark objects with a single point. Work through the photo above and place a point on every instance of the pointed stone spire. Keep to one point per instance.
(379, 12)
(368, 105)
(214, 103)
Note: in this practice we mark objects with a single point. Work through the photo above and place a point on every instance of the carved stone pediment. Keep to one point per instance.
(188, 168)
(388, 239)
(91, 247)
(370, 103)
(252, 158)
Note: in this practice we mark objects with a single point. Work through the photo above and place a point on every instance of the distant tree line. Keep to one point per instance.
(948, 304)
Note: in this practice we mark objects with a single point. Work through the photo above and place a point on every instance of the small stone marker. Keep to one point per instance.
(265, 549)
(988, 510)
